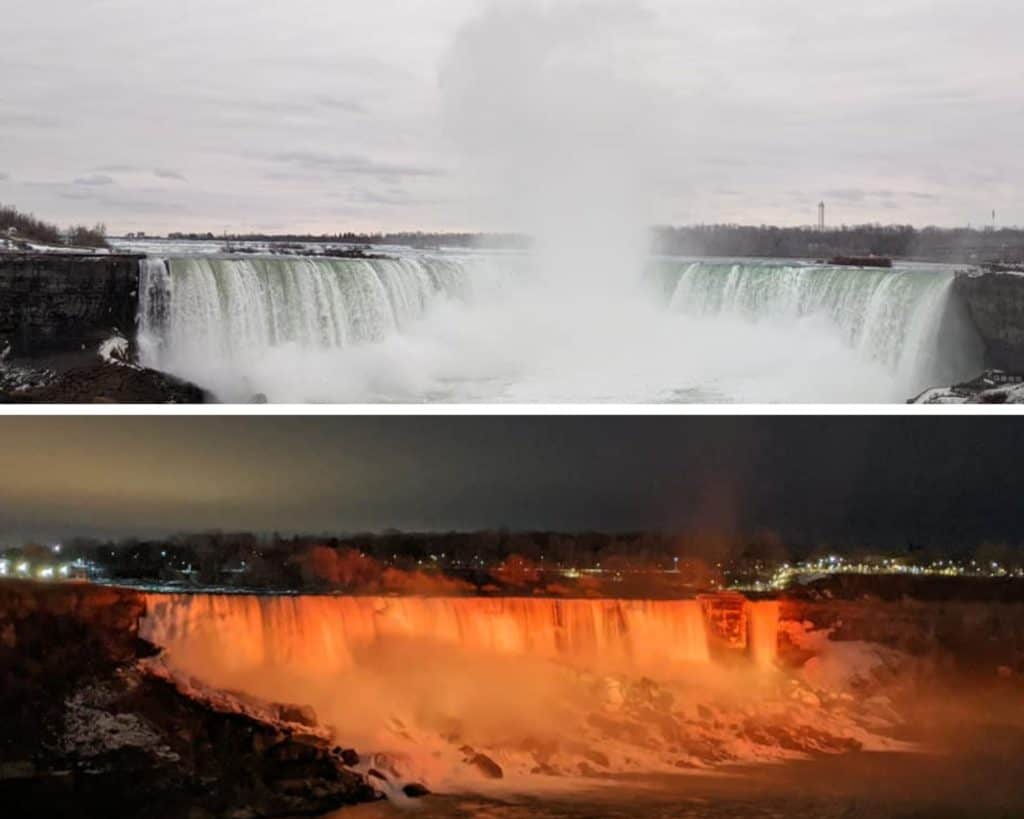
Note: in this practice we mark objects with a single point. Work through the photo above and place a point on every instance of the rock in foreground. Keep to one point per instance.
(93, 729)
(108, 383)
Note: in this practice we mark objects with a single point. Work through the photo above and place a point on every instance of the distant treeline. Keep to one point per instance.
(497, 560)
(894, 241)
(17, 226)
(964, 245)
(425, 241)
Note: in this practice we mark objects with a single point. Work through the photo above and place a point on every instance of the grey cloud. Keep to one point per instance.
(392, 197)
(846, 194)
(133, 203)
(243, 108)
(9, 118)
(342, 166)
(4, 177)
(339, 104)
(94, 180)
(726, 162)
(889, 196)
(166, 173)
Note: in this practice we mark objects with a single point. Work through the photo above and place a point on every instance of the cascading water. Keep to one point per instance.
(483, 327)
(543, 687)
(327, 634)
(201, 307)
(891, 317)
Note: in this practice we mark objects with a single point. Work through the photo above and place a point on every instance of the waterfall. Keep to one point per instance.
(201, 307)
(763, 627)
(326, 635)
(902, 318)
(542, 686)
(488, 327)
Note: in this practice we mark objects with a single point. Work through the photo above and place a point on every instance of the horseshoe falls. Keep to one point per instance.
(465, 328)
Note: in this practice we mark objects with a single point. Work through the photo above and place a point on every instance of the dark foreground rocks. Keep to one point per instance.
(104, 383)
(991, 387)
(92, 728)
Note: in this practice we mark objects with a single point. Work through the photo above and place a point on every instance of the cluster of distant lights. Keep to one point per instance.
(27, 570)
(834, 565)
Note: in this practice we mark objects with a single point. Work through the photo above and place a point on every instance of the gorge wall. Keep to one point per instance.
(54, 303)
(995, 302)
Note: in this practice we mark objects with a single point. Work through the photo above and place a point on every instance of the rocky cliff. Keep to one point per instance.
(971, 626)
(995, 301)
(59, 303)
(93, 726)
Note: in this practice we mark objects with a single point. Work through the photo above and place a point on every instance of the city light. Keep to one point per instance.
(809, 571)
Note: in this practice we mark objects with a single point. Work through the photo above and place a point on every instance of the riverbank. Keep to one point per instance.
(96, 382)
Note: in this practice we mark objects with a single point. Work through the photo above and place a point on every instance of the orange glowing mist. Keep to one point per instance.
(425, 677)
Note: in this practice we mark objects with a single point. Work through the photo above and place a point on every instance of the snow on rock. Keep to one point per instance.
(116, 350)
(841, 666)
(294, 718)
(91, 729)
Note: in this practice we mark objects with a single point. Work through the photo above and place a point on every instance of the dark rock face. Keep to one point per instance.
(57, 303)
(995, 302)
(103, 383)
(91, 728)
(414, 790)
(969, 634)
(485, 765)
(51, 635)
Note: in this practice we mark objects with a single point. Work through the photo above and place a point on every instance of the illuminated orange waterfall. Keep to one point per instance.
(763, 628)
(319, 635)
(419, 678)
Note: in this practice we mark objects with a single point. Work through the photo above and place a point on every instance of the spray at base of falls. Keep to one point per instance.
(484, 327)
(565, 688)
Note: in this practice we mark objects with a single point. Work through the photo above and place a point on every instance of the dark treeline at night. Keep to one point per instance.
(955, 245)
(470, 562)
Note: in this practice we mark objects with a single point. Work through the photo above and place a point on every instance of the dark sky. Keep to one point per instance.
(836, 480)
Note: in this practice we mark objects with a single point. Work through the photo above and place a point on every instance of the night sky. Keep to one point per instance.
(852, 480)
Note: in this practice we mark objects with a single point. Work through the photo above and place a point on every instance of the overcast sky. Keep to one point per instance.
(326, 115)
(854, 480)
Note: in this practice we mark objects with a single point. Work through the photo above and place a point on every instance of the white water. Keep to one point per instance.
(488, 327)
